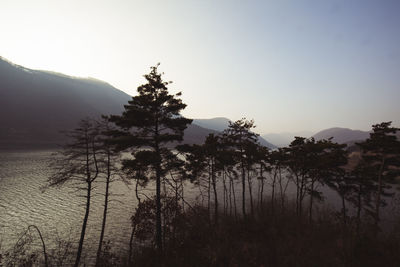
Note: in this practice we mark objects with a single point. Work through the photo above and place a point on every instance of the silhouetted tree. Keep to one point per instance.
(108, 159)
(21, 255)
(205, 160)
(239, 136)
(152, 119)
(275, 162)
(278, 160)
(327, 162)
(360, 188)
(227, 163)
(78, 163)
(381, 153)
(175, 167)
(312, 163)
(332, 170)
(297, 166)
(262, 158)
(212, 150)
(136, 169)
(251, 158)
(195, 163)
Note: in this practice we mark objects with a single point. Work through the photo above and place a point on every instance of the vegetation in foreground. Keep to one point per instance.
(272, 238)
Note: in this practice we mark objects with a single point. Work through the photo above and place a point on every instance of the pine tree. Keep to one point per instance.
(211, 149)
(240, 138)
(381, 153)
(277, 164)
(205, 161)
(152, 119)
(263, 159)
(326, 161)
(360, 189)
(297, 167)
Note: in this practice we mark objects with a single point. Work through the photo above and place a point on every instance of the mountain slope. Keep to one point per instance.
(217, 124)
(284, 139)
(36, 105)
(220, 123)
(342, 135)
(195, 134)
(264, 142)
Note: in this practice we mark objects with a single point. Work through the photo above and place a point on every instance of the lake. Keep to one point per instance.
(58, 212)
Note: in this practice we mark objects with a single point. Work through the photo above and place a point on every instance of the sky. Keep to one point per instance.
(300, 65)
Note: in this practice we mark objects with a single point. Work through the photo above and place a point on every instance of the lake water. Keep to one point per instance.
(58, 212)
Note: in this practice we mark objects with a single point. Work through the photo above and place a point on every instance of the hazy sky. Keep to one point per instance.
(289, 65)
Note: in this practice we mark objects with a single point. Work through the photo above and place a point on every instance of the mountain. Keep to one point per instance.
(36, 105)
(264, 142)
(195, 134)
(342, 135)
(220, 123)
(284, 139)
(217, 124)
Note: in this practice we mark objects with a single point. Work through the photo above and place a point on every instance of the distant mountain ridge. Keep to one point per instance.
(217, 124)
(284, 139)
(342, 135)
(220, 123)
(36, 105)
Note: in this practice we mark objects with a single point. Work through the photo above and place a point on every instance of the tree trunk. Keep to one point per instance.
(214, 184)
(234, 198)
(378, 197)
(344, 209)
(131, 245)
(201, 193)
(230, 196)
(262, 186)
(103, 226)
(43, 244)
(133, 227)
(136, 191)
(85, 219)
(302, 195)
(243, 191)
(158, 206)
(359, 209)
(163, 218)
(225, 196)
(273, 191)
(250, 191)
(311, 200)
(297, 195)
(209, 193)
(182, 195)
(282, 189)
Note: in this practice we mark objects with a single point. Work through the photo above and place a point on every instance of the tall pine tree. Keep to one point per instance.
(381, 153)
(152, 119)
(240, 138)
